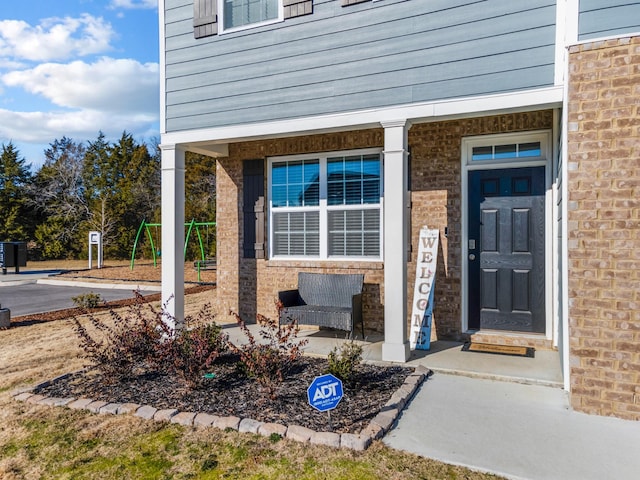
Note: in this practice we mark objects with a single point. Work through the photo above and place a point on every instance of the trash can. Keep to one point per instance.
(13, 254)
(5, 317)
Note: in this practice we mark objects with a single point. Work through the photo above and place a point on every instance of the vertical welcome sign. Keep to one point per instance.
(422, 307)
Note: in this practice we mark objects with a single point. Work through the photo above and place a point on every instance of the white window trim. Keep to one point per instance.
(324, 208)
(222, 30)
(469, 143)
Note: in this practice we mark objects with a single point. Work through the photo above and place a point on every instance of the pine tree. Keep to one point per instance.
(123, 185)
(200, 197)
(16, 218)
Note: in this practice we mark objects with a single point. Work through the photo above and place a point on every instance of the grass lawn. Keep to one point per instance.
(38, 442)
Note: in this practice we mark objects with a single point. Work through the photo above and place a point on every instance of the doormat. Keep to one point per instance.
(513, 350)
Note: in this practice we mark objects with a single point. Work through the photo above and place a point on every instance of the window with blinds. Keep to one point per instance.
(296, 234)
(327, 207)
(238, 13)
(241, 14)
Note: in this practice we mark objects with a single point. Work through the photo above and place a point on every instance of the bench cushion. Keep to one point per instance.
(321, 316)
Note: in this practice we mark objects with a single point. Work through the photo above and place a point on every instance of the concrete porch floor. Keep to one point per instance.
(447, 357)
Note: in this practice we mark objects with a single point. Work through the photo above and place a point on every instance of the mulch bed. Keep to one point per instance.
(231, 393)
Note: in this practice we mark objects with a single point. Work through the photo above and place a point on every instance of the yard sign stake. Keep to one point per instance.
(422, 309)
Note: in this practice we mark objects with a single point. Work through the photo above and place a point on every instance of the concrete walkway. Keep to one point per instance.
(515, 430)
(504, 415)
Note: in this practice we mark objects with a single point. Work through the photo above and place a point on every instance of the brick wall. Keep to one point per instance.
(249, 286)
(604, 227)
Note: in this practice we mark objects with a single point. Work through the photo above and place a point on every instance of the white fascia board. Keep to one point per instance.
(548, 97)
(163, 69)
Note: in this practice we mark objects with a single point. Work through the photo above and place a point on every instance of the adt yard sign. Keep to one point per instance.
(325, 392)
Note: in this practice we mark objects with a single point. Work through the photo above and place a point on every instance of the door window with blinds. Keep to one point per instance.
(243, 13)
(326, 206)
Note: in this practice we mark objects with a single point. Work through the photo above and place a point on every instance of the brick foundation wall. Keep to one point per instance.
(604, 227)
(250, 286)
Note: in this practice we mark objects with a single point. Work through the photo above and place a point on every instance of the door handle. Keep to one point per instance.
(472, 256)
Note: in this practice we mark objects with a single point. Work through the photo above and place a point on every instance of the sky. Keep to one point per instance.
(74, 68)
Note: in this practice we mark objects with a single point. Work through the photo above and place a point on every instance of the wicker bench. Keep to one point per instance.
(326, 300)
(208, 264)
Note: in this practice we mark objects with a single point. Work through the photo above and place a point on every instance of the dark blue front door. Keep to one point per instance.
(506, 250)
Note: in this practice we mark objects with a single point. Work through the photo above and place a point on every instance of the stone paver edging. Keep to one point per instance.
(376, 429)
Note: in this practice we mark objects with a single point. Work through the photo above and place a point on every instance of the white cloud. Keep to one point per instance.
(109, 95)
(44, 127)
(53, 85)
(55, 38)
(110, 85)
(134, 3)
(6, 64)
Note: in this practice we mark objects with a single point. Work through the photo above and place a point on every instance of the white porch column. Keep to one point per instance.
(173, 234)
(396, 346)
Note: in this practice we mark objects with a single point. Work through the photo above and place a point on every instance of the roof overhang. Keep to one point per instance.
(215, 141)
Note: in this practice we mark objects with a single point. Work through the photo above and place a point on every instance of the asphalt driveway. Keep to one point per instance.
(32, 298)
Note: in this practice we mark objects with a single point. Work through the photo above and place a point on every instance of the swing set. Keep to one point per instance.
(192, 225)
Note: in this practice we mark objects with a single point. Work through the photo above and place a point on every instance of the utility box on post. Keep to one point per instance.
(13, 254)
(95, 238)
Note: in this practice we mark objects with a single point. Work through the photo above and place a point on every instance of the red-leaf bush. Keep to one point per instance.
(268, 360)
(127, 345)
(193, 350)
(141, 340)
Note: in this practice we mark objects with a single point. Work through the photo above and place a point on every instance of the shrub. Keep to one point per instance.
(129, 343)
(269, 360)
(87, 300)
(344, 360)
(194, 349)
(141, 340)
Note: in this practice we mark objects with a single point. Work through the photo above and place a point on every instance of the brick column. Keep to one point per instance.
(604, 227)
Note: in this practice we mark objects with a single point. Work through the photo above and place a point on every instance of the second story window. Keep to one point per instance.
(241, 13)
(211, 17)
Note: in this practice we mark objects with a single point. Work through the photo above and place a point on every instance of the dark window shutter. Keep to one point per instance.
(297, 8)
(205, 18)
(253, 209)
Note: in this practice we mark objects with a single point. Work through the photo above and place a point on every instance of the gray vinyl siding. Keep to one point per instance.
(373, 54)
(604, 18)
